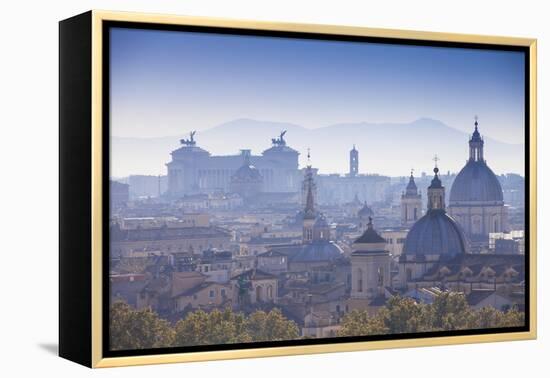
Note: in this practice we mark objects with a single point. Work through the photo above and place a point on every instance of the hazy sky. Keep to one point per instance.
(168, 83)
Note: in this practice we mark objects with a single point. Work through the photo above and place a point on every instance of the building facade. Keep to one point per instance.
(370, 265)
(194, 170)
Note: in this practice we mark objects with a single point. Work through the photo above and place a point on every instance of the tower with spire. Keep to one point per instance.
(353, 162)
(476, 144)
(411, 203)
(436, 192)
(309, 210)
(476, 199)
(435, 237)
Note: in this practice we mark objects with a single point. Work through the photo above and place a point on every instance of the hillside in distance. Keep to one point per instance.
(384, 148)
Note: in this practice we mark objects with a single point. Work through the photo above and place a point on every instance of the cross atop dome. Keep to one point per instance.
(436, 159)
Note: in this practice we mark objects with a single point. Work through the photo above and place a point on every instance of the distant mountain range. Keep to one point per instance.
(384, 148)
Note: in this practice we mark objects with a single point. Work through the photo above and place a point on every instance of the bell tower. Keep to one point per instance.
(411, 203)
(436, 191)
(353, 162)
(476, 144)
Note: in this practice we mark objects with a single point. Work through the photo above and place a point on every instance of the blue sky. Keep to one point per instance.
(167, 83)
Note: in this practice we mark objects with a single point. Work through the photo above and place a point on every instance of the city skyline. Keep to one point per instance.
(377, 155)
(268, 228)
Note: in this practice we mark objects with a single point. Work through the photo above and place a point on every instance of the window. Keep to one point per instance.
(222, 292)
(211, 294)
(258, 293)
(380, 277)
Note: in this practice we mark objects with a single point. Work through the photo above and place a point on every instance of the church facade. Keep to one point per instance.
(476, 198)
(434, 238)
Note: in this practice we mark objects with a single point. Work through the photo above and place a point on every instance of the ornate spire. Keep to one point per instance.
(309, 211)
(436, 181)
(476, 143)
(411, 190)
(436, 192)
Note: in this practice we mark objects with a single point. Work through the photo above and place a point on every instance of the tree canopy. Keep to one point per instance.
(139, 329)
(144, 329)
(449, 311)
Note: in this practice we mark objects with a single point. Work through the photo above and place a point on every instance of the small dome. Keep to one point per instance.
(247, 173)
(476, 182)
(318, 251)
(436, 233)
(365, 211)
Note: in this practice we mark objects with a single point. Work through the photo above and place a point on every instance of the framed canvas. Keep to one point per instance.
(234, 189)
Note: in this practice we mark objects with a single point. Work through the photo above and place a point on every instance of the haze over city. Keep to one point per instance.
(254, 196)
(166, 83)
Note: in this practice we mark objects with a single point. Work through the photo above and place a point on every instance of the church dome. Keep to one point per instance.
(476, 182)
(365, 212)
(436, 233)
(318, 251)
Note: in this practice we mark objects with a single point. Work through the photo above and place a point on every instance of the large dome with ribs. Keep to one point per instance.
(476, 182)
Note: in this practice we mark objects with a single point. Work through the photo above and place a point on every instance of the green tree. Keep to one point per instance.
(403, 315)
(223, 327)
(137, 329)
(360, 323)
(449, 311)
(489, 317)
(271, 326)
(216, 327)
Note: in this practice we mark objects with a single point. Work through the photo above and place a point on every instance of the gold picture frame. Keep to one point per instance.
(90, 329)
